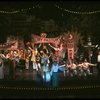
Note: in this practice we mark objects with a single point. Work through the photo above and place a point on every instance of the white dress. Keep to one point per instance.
(1, 69)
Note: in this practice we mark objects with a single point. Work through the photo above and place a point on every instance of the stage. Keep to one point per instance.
(28, 84)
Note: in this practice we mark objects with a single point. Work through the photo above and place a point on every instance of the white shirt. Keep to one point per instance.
(98, 58)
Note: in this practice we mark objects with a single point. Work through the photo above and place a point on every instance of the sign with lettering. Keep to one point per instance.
(38, 39)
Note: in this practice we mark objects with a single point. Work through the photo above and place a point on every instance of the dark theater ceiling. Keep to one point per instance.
(17, 17)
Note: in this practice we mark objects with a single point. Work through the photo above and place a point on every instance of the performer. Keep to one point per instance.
(98, 64)
(16, 56)
(44, 62)
(7, 63)
(54, 73)
(12, 65)
(27, 56)
(72, 67)
(21, 59)
(38, 62)
(57, 49)
(1, 68)
(45, 50)
(45, 67)
(33, 59)
(86, 70)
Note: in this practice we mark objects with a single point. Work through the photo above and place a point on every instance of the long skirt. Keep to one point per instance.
(55, 79)
(46, 78)
(1, 73)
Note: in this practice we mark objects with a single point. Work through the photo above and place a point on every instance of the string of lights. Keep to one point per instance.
(20, 11)
(60, 88)
(38, 6)
(77, 12)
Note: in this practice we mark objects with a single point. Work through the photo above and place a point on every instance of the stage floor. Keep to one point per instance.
(29, 84)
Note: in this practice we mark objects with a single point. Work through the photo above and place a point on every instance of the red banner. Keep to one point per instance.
(71, 53)
(70, 46)
(38, 39)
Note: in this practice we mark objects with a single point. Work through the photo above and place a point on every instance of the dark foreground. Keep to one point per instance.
(67, 89)
(28, 85)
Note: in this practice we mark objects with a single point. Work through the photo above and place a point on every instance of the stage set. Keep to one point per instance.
(51, 67)
(48, 60)
(49, 49)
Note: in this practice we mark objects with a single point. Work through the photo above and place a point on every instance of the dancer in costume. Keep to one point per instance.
(54, 73)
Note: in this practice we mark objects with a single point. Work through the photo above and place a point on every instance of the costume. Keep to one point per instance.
(46, 75)
(86, 70)
(73, 69)
(33, 59)
(55, 75)
(98, 65)
(1, 69)
(38, 63)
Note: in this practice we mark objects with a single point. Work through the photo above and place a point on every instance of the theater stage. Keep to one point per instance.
(28, 84)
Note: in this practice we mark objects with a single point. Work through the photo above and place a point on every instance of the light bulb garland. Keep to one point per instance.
(19, 11)
(38, 6)
(77, 12)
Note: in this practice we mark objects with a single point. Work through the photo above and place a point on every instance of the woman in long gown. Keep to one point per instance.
(1, 69)
(54, 73)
